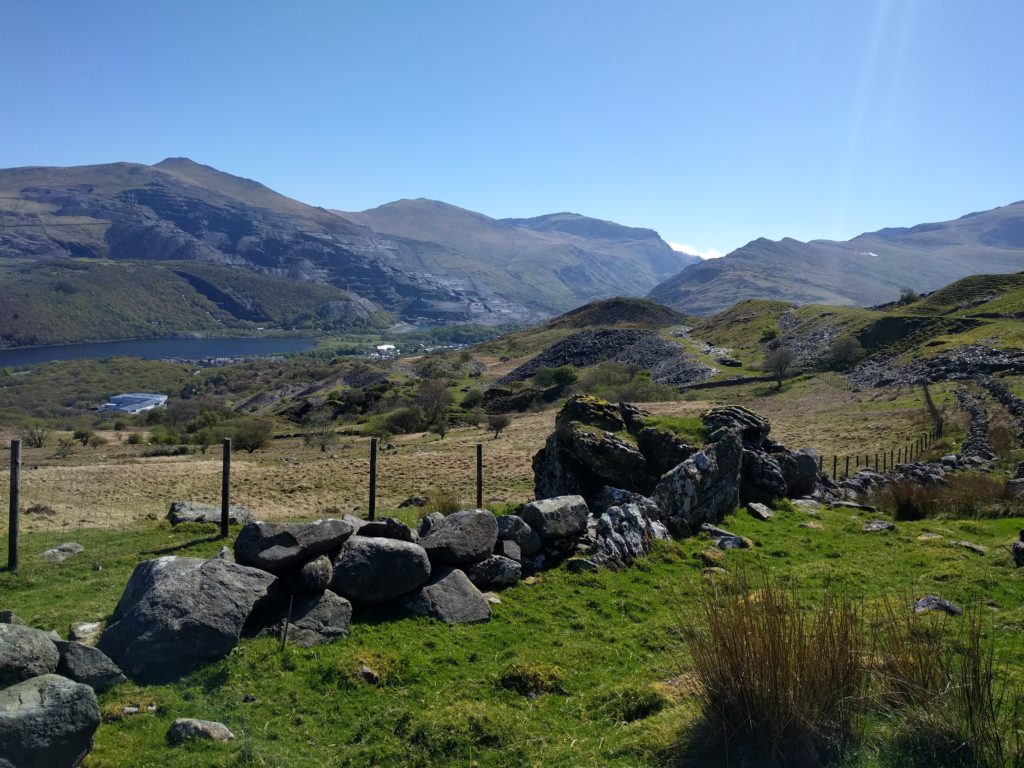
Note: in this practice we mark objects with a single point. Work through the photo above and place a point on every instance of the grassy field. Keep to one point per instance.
(610, 645)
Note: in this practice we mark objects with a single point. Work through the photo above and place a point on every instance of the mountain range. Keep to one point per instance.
(869, 269)
(422, 260)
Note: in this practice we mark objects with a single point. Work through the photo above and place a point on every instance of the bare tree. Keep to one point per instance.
(778, 362)
(433, 400)
(320, 433)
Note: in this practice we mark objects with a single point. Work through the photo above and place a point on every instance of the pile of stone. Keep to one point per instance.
(597, 445)
(961, 363)
(1011, 402)
(976, 443)
(48, 706)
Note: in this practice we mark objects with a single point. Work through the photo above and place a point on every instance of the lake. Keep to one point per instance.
(157, 349)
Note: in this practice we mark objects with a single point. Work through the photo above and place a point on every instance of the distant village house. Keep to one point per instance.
(135, 402)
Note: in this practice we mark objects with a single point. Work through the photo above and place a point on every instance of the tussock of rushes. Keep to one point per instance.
(943, 689)
(778, 679)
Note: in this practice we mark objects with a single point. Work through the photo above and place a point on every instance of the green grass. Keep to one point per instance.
(690, 428)
(607, 647)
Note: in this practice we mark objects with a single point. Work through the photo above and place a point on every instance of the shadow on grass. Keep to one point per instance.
(708, 744)
(183, 546)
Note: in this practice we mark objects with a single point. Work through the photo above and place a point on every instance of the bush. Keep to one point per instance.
(404, 420)
(36, 435)
(162, 435)
(251, 434)
(65, 447)
(473, 399)
(776, 680)
(497, 422)
(135, 438)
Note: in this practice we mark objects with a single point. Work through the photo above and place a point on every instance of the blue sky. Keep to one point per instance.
(712, 122)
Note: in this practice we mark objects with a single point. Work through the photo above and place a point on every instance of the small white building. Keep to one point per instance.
(387, 350)
(135, 402)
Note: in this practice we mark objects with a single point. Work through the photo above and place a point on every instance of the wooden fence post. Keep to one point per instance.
(12, 530)
(373, 478)
(835, 466)
(847, 472)
(479, 476)
(225, 488)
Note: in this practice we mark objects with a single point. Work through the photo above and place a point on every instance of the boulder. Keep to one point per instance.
(461, 538)
(495, 572)
(89, 666)
(752, 429)
(936, 603)
(280, 547)
(514, 528)
(371, 570)
(194, 512)
(7, 616)
(312, 578)
(25, 652)
(189, 728)
(703, 488)
(624, 533)
(413, 501)
(1017, 550)
(428, 522)
(877, 526)
(315, 620)
(594, 411)
(663, 449)
(62, 552)
(85, 632)
(508, 549)
(450, 597)
(385, 528)
(179, 612)
(760, 511)
(561, 517)
(761, 478)
(617, 497)
(800, 471)
(47, 722)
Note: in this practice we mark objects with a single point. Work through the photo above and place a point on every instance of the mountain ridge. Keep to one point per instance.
(868, 269)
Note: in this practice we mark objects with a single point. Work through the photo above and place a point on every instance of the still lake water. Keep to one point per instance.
(157, 349)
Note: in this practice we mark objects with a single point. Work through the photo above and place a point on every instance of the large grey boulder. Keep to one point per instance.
(89, 666)
(281, 547)
(315, 620)
(752, 428)
(461, 538)
(47, 722)
(513, 528)
(761, 478)
(561, 517)
(800, 470)
(25, 652)
(496, 572)
(312, 578)
(194, 512)
(624, 533)
(704, 488)
(450, 597)
(179, 612)
(373, 570)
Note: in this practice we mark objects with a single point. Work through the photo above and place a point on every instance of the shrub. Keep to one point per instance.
(909, 501)
(36, 435)
(65, 447)
(777, 680)
(162, 435)
(473, 399)
(95, 441)
(403, 420)
(251, 434)
(135, 438)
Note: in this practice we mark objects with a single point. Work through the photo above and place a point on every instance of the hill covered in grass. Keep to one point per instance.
(77, 300)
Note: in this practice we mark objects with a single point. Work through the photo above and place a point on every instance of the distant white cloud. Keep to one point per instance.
(710, 253)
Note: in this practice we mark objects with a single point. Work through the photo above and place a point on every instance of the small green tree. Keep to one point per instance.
(83, 436)
(65, 447)
(565, 375)
(907, 296)
(320, 432)
(845, 350)
(252, 434)
(497, 422)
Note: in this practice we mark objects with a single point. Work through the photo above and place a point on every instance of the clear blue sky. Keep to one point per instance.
(712, 122)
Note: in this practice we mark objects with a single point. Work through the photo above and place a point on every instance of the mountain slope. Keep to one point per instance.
(869, 269)
(180, 210)
(552, 262)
